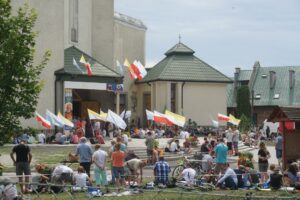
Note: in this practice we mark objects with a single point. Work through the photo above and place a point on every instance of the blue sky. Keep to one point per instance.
(223, 33)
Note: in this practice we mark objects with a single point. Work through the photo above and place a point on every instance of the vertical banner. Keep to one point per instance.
(68, 107)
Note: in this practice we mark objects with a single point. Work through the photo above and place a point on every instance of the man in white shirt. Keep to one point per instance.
(189, 175)
(229, 179)
(174, 146)
(99, 159)
(186, 134)
(182, 134)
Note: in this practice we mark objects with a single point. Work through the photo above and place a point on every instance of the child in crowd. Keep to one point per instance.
(81, 179)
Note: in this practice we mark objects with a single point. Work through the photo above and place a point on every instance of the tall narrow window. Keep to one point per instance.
(74, 20)
(173, 97)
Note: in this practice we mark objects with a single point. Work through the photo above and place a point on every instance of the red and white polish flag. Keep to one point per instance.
(45, 123)
(162, 119)
(222, 117)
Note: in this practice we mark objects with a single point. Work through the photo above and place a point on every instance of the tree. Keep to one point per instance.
(19, 77)
(243, 102)
(245, 124)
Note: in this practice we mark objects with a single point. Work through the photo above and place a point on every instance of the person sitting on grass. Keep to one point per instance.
(292, 173)
(275, 179)
(81, 180)
(188, 174)
(161, 171)
(251, 177)
(229, 179)
(43, 177)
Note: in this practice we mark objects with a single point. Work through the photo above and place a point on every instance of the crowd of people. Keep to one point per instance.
(127, 168)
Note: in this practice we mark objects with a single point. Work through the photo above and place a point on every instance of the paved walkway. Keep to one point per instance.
(139, 144)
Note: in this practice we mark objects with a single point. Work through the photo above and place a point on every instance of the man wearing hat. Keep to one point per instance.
(22, 162)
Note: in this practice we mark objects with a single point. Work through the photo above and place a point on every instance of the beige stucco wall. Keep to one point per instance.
(102, 31)
(51, 36)
(162, 96)
(98, 35)
(203, 101)
(141, 90)
(129, 42)
(84, 25)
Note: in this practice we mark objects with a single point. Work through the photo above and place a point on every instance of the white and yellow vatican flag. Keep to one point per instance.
(65, 120)
(179, 120)
(93, 115)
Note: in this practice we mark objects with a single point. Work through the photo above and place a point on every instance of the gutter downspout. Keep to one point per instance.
(55, 99)
(183, 83)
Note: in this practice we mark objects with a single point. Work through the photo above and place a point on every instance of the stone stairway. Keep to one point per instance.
(172, 158)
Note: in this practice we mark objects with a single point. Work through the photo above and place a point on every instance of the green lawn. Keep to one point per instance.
(41, 154)
(53, 155)
(181, 194)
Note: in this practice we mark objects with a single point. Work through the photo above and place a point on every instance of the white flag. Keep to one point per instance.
(116, 119)
(121, 71)
(215, 123)
(150, 115)
(127, 115)
(141, 68)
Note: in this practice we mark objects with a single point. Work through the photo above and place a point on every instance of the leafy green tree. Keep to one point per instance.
(245, 124)
(20, 84)
(243, 102)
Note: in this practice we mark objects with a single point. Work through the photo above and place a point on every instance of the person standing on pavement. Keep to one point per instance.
(221, 156)
(117, 159)
(263, 164)
(22, 162)
(229, 137)
(150, 145)
(84, 151)
(278, 147)
(235, 140)
(99, 159)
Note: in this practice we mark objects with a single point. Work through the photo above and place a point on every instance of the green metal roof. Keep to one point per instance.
(179, 49)
(181, 65)
(245, 75)
(98, 69)
(286, 96)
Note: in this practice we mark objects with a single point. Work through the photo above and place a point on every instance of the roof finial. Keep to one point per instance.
(179, 38)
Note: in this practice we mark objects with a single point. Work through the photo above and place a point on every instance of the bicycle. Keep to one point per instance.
(181, 165)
